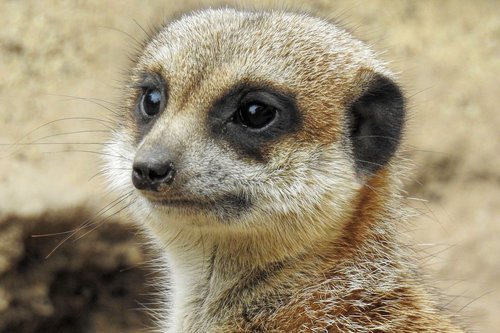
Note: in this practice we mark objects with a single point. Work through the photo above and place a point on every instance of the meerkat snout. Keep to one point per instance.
(151, 171)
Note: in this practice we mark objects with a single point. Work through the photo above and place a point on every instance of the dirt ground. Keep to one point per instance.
(61, 65)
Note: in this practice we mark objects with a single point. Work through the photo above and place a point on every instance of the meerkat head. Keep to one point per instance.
(244, 120)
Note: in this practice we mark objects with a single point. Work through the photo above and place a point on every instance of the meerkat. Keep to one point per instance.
(259, 148)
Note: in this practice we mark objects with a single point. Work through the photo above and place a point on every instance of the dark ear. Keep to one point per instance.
(376, 123)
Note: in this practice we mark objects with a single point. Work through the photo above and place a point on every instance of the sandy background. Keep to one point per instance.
(448, 56)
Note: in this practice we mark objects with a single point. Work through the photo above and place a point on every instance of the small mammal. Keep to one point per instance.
(262, 147)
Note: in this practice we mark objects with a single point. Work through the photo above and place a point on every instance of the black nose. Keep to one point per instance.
(151, 174)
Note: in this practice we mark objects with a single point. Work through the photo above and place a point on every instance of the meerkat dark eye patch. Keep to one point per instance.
(249, 117)
(376, 124)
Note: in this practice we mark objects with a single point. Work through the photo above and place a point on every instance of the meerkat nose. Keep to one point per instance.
(151, 174)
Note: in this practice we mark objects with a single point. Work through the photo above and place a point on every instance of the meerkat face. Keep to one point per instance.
(235, 118)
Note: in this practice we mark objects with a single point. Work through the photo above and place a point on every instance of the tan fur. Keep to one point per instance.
(319, 249)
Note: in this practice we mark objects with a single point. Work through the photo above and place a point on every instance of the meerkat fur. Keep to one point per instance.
(292, 227)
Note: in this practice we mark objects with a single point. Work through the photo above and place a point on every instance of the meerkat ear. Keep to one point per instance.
(376, 123)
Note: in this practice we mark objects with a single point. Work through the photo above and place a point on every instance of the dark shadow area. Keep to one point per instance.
(98, 283)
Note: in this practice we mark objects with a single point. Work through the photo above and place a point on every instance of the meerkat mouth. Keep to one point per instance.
(226, 202)
(180, 202)
(173, 201)
(225, 209)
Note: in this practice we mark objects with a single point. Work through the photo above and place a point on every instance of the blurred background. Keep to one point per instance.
(61, 67)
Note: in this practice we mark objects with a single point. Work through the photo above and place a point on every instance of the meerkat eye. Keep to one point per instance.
(255, 115)
(151, 102)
